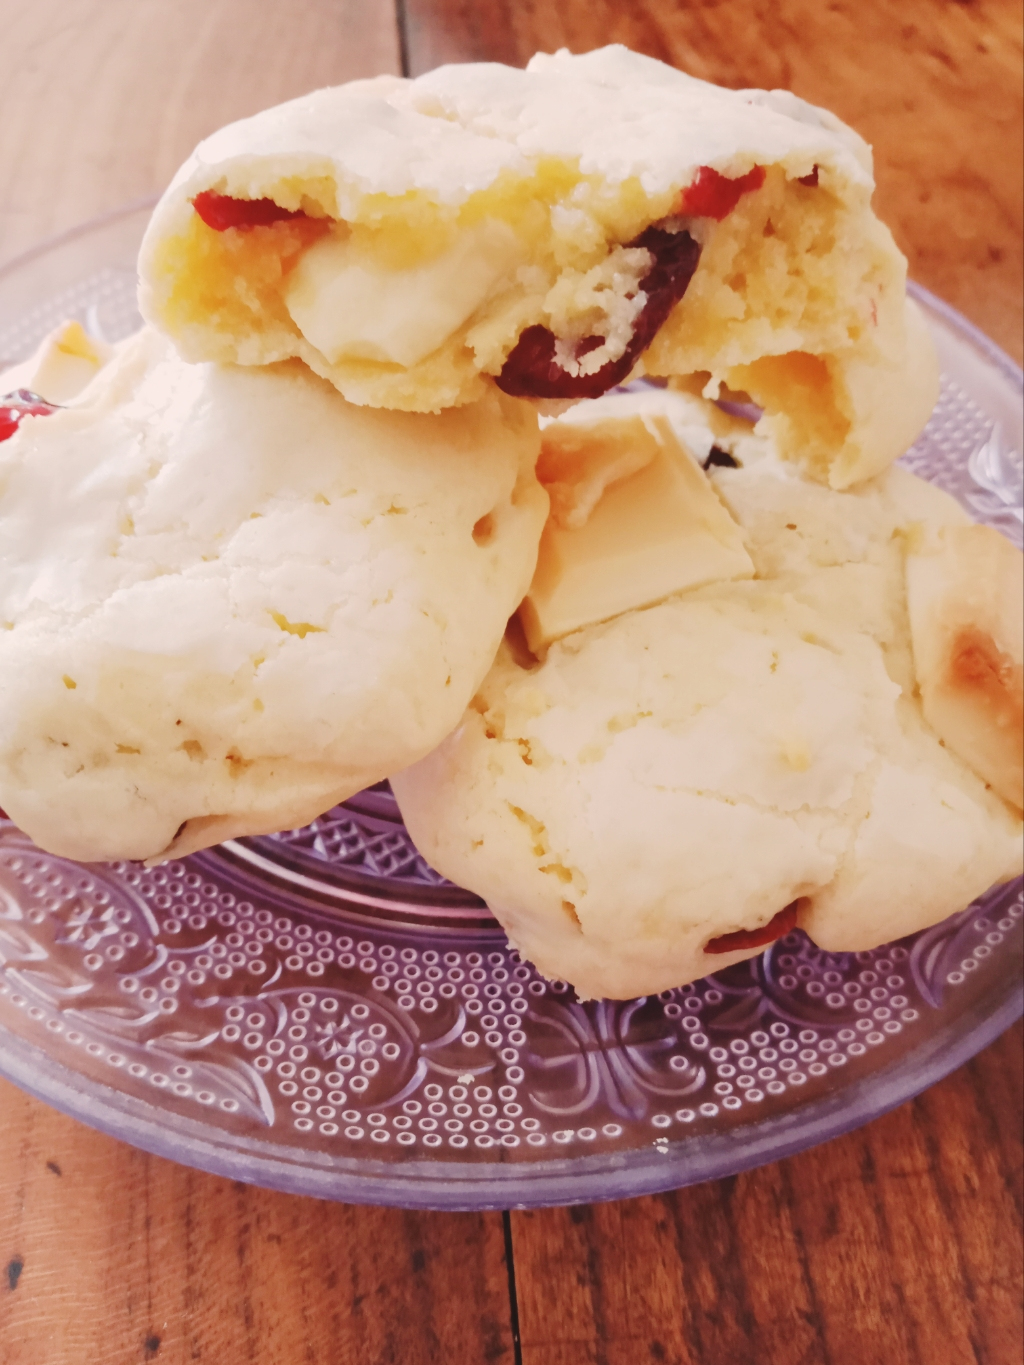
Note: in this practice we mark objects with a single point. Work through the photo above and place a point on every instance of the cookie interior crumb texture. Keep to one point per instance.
(553, 231)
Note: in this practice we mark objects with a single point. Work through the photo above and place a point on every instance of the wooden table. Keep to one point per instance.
(899, 1243)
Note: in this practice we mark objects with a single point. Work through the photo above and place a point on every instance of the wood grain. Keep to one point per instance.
(895, 1245)
(102, 100)
(109, 1256)
(935, 85)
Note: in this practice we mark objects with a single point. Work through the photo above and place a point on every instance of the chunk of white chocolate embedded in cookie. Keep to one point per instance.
(965, 590)
(633, 520)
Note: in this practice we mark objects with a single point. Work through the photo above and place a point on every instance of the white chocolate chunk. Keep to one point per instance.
(965, 593)
(64, 363)
(578, 463)
(616, 543)
(349, 305)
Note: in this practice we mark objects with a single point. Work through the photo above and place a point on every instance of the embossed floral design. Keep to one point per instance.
(606, 1053)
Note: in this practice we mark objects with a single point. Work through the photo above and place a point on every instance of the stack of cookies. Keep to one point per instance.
(268, 552)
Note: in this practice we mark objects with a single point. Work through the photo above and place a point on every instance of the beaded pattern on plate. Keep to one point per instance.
(104, 304)
(365, 834)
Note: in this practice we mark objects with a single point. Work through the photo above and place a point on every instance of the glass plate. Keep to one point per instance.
(320, 1012)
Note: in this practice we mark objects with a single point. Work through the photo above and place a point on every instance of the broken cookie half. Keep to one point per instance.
(553, 231)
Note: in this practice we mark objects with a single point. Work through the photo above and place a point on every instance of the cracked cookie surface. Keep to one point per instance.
(230, 599)
(683, 773)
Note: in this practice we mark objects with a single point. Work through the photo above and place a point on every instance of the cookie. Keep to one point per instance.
(665, 793)
(231, 599)
(64, 363)
(552, 231)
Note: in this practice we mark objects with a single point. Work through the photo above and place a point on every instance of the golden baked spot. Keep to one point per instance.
(557, 870)
(69, 683)
(570, 910)
(127, 749)
(299, 628)
(236, 763)
(536, 828)
(626, 720)
(194, 749)
(795, 754)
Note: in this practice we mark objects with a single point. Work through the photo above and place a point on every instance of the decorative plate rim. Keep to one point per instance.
(668, 1166)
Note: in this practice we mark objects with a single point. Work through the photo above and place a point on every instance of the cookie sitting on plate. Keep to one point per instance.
(774, 739)
(230, 599)
(551, 232)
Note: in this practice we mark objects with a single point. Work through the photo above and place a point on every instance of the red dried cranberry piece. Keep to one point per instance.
(811, 179)
(220, 211)
(531, 370)
(713, 195)
(782, 923)
(21, 403)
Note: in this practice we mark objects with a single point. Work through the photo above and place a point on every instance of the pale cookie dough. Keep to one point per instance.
(64, 363)
(414, 240)
(230, 599)
(688, 771)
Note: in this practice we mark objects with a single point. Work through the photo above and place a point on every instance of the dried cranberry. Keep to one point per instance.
(782, 923)
(811, 179)
(531, 370)
(21, 403)
(220, 211)
(721, 459)
(713, 195)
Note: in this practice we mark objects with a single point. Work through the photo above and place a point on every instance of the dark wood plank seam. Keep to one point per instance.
(689, 1330)
(151, 1336)
(510, 1270)
(946, 1204)
(402, 25)
(869, 1180)
(805, 1265)
(602, 1338)
(991, 1133)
